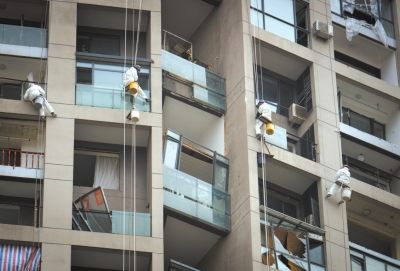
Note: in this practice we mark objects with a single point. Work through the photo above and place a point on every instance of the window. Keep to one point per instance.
(367, 10)
(94, 169)
(357, 64)
(283, 92)
(363, 123)
(98, 44)
(10, 91)
(285, 18)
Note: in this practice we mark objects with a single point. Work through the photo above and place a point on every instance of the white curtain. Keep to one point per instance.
(106, 172)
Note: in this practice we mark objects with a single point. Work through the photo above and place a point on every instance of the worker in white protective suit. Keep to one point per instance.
(133, 89)
(36, 95)
(264, 120)
(342, 182)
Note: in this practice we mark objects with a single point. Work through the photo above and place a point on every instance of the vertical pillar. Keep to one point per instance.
(156, 144)
(59, 155)
(334, 217)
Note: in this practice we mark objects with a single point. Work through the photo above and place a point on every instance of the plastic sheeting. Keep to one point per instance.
(353, 26)
(106, 173)
(19, 258)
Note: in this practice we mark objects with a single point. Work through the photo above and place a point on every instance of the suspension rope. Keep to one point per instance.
(124, 148)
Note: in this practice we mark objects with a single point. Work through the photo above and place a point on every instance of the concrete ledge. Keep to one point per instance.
(378, 85)
(79, 238)
(375, 193)
(21, 172)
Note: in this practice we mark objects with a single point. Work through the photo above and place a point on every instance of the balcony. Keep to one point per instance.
(290, 244)
(23, 41)
(91, 213)
(22, 164)
(188, 81)
(102, 201)
(369, 260)
(100, 85)
(196, 199)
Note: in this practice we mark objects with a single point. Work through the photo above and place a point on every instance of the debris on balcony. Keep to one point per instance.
(360, 15)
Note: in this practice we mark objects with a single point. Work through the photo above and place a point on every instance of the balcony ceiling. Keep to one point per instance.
(366, 97)
(185, 242)
(281, 62)
(361, 47)
(111, 18)
(372, 157)
(110, 134)
(31, 10)
(288, 177)
(382, 218)
(183, 17)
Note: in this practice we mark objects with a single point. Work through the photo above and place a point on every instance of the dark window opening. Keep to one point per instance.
(357, 64)
(363, 123)
(304, 207)
(283, 92)
(99, 43)
(84, 75)
(10, 91)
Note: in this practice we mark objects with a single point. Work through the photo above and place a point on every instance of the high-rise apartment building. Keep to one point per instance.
(192, 185)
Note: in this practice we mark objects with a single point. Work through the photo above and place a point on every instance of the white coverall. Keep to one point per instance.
(342, 181)
(36, 95)
(131, 76)
(264, 111)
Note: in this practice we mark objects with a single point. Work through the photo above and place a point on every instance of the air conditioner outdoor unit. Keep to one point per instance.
(297, 114)
(323, 30)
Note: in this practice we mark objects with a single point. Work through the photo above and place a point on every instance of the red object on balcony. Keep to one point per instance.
(18, 158)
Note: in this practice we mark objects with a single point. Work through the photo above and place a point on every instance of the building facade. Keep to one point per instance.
(192, 185)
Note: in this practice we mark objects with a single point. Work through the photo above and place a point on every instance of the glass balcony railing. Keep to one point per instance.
(90, 95)
(23, 36)
(177, 266)
(208, 87)
(100, 85)
(369, 260)
(196, 198)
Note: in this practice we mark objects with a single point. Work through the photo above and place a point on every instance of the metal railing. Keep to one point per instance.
(24, 159)
(369, 260)
(177, 266)
(23, 35)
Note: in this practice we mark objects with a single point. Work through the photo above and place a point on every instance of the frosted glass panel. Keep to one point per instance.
(256, 4)
(279, 28)
(335, 6)
(256, 18)
(374, 265)
(282, 9)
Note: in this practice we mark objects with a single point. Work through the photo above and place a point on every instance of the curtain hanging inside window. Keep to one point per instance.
(106, 173)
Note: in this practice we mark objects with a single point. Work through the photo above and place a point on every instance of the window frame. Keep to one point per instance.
(295, 26)
(372, 122)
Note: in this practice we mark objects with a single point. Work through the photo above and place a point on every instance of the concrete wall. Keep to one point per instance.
(393, 128)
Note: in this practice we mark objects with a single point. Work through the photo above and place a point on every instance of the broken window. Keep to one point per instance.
(288, 247)
(368, 11)
(285, 18)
